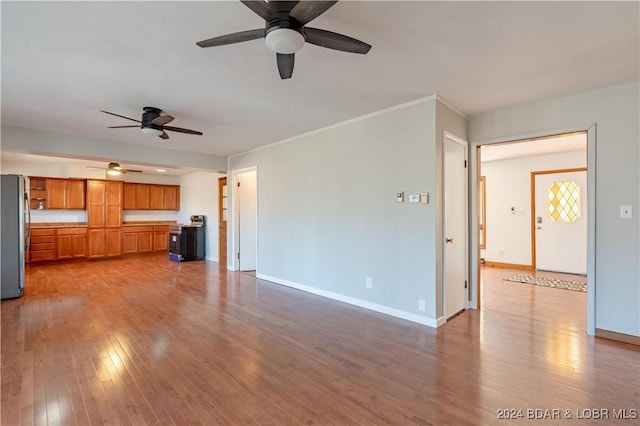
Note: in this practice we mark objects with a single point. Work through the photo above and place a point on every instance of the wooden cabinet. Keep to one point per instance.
(61, 194)
(104, 217)
(171, 197)
(71, 243)
(113, 204)
(142, 196)
(137, 239)
(37, 193)
(146, 196)
(160, 237)
(156, 201)
(97, 243)
(43, 245)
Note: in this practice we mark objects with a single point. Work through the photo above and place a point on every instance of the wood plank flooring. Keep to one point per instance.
(143, 340)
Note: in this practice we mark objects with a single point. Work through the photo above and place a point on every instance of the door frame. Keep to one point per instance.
(591, 211)
(223, 254)
(465, 145)
(232, 260)
(533, 204)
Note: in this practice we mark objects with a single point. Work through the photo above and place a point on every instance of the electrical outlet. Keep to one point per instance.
(422, 306)
(368, 282)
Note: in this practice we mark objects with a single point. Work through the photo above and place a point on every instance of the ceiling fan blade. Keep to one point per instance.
(285, 64)
(181, 130)
(164, 135)
(335, 41)
(121, 127)
(306, 11)
(161, 120)
(261, 8)
(232, 38)
(131, 171)
(122, 116)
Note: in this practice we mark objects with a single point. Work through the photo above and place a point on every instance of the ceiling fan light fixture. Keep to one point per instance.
(151, 131)
(284, 40)
(114, 172)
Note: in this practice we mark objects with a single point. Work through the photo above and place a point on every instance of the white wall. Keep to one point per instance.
(508, 184)
(328, 217)
(199, 195)
(616, 113)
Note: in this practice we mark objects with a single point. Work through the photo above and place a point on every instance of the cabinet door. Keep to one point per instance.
(142, 197)
(129, 242)
(129, 196)
(75, 194)
(64, 246)
(171, 197)
(160, 241)
(113, 242)
(145, 242)
(113, 200)
(156, 197)
(79, 245)
(95, 205)
(56, 193)
(97, 243)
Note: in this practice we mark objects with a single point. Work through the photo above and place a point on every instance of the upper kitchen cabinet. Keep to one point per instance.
(61, 194)
(67, 194)
(145, 196)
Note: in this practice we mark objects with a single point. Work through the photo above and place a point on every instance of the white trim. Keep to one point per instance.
(344, 123)
(451, 107)
(465, 144)
(430, 322)
(212, 259)
(591, 230)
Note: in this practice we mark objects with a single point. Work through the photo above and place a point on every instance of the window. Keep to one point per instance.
(563, 201)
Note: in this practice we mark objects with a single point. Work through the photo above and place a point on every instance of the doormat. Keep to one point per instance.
(548, 282)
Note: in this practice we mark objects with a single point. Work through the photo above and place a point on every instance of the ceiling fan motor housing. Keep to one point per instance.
(150, 114)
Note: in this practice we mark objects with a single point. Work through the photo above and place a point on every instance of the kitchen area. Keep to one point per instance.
(84, 218)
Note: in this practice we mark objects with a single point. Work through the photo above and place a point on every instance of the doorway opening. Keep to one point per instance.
(534, 216)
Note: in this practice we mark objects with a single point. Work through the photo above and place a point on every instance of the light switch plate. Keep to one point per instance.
(414, 198)
(400, 197)
(424, 198)
(625, 212)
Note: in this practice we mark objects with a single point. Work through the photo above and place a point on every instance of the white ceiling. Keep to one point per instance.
(63, 62)
(550, 145)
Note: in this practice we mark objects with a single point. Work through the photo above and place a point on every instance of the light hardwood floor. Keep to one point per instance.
(147, 341)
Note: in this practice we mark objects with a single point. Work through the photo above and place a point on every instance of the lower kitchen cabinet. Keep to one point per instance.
(161, 237)
(137, 239)
(43, 245)
(104, 242)
(71, 243)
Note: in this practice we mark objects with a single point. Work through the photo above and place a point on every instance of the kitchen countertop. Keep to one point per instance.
(36, 225)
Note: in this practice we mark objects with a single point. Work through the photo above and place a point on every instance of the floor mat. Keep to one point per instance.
(549, 282)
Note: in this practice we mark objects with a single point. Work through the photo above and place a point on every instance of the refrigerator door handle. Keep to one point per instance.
(27, 225)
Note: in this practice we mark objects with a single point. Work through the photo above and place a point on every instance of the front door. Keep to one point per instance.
(222, 220)
(455, 226)
(560, 221)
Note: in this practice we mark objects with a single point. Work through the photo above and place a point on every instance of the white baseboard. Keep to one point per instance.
(431, 322)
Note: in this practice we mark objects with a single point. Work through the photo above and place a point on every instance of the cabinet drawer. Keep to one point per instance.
(42, 246)
(72, 231)
(43, 255)
(42, 232)
(41, 240)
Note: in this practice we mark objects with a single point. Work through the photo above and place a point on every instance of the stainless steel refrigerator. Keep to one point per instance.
(15, 220)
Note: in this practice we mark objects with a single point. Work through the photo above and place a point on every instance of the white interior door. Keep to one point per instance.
(247, 220)
(561, 222)
(455, 226)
